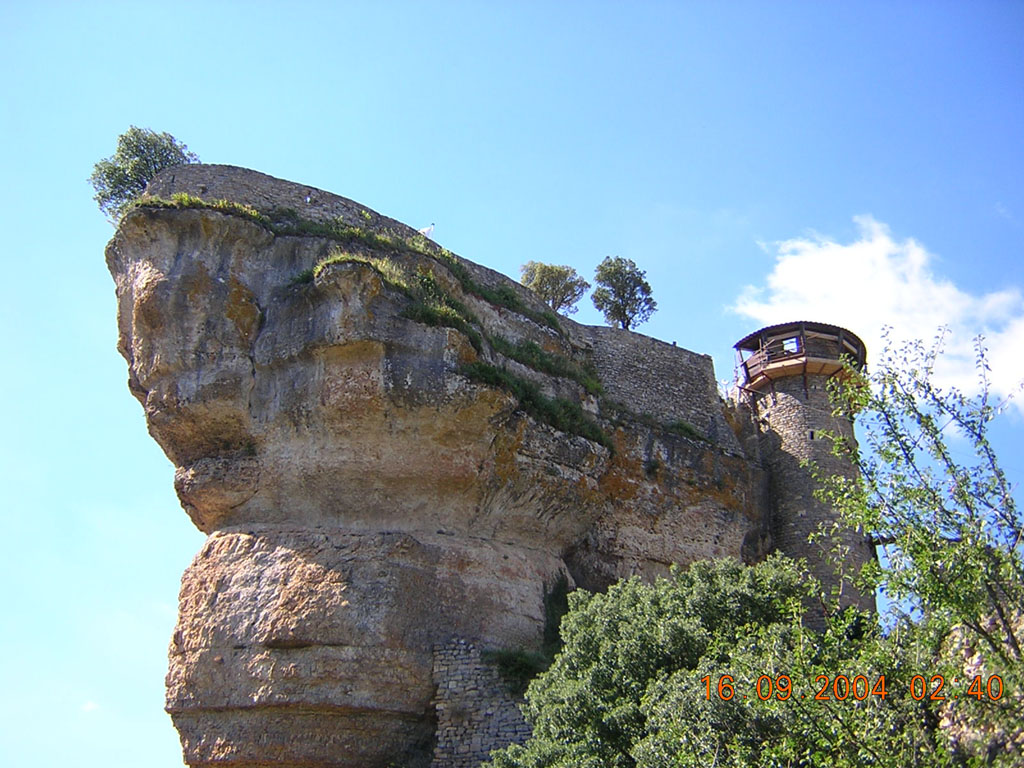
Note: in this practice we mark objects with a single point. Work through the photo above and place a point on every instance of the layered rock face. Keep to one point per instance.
(366, 453)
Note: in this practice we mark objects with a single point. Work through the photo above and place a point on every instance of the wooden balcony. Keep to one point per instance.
(797, 349)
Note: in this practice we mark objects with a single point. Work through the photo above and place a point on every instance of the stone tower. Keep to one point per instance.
(785, 371)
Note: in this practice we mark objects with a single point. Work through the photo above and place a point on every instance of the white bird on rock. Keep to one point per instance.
(427, 231)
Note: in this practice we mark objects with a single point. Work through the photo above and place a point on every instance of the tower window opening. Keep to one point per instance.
(791, 345)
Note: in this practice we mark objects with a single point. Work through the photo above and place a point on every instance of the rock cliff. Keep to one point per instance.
(392, 450)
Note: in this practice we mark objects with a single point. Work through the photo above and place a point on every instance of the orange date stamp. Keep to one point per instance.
(856, 688)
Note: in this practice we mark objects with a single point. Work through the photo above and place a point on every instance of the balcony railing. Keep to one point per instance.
(782, 350)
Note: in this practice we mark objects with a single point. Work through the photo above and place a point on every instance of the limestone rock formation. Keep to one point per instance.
(400, 452)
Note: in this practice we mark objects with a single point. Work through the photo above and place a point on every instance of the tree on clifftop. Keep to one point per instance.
(141, 154)
(623, 295)
(559, 286)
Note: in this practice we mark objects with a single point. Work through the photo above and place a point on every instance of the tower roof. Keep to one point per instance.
(753, 342)
(802, 347)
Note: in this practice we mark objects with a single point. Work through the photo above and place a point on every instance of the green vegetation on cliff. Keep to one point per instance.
(432, 305)
(623, 294)
(518, 667)
(562, 414)
(668, 674)
(141, 153)
(530, 354)
(559, 286)
(287, 222)
(619, 414)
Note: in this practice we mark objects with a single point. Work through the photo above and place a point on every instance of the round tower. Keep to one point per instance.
(785, 372)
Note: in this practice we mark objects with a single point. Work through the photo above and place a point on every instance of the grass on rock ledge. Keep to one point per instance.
(530, 354)
(619, 413)
(516, 666)
(287, 221)
(433, 305)
(564, 415)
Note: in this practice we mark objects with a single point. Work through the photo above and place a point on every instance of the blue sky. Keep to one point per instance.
(850, 163)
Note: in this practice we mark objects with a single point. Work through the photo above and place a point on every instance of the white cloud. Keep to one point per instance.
(90, 706)
(877, 281)
(1003, 212)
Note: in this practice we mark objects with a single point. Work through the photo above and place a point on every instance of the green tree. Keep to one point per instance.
(141, 153)
(667, 674)
(934, 498)
(623, 293)
(559, 286)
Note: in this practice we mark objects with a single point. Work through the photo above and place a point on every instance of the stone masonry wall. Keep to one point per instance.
(665, 381)
(475, 711)
(793, 419)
